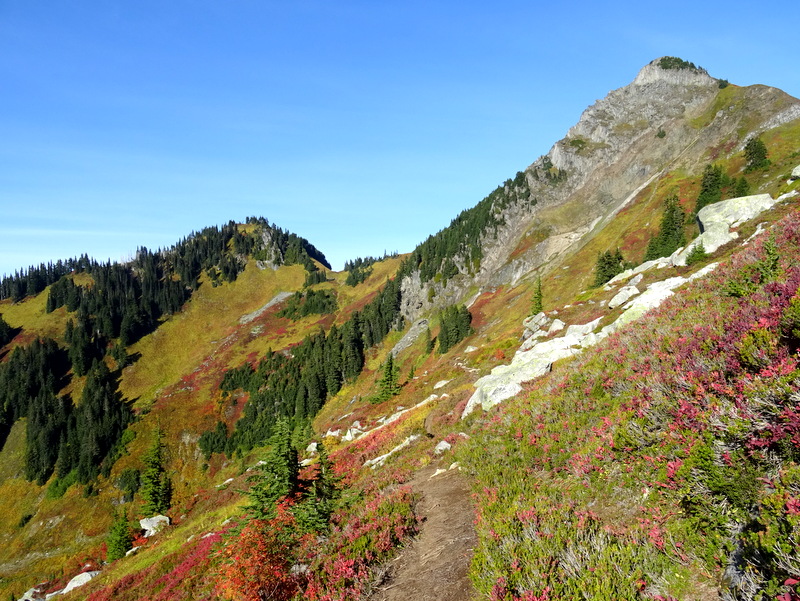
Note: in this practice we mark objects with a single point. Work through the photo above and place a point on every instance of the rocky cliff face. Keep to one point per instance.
(664, 119)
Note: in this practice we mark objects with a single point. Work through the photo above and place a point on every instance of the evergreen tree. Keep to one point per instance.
(697, 254)
(608, 265)
(742, 188)
(710, 187)
(536, 303)
(156, 488)
(6, 332)
(670, 233)
(454, 326)
(314, 512)
(755, 151)
(119, 540)
(389, 384)
(430, 342)
(276, 478)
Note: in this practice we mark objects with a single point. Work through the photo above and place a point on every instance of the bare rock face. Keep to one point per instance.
(414, 332)
(664, 119)
(622, 296)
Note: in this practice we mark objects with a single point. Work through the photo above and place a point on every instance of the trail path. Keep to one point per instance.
(434, 566)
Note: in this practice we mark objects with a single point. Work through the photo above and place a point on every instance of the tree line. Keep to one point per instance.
(61, 437)
(294, 384)
(458, 247)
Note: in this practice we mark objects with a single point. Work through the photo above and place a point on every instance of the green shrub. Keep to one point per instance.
(697, 254)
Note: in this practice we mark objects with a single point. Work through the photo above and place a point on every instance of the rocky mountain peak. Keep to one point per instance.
(673, 71)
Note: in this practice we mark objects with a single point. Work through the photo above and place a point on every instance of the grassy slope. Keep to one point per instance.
(594, 481)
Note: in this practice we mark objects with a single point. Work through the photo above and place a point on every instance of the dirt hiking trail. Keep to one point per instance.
(433, 567)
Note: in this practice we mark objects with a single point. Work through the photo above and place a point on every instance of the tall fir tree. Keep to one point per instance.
(276, 478)
(389, 384)
(120, 539)
(670, 235)
(710, 187)
(156, 487)
(536, 303)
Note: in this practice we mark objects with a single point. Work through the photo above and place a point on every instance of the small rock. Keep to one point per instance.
(556, 326)
(351, 434)
(470, 349)
(333, 433)
(438, 472)
(134, 550)
(635, 281)
(795, 173)
(454, 466)
(442, 447)
(228, 481)
(534, 322)
(312, 448)
(440, 384)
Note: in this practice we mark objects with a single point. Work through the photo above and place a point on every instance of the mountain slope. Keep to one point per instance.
(558, 471)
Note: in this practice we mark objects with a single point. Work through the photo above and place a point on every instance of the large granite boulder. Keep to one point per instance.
(153, 524)
(717, 220)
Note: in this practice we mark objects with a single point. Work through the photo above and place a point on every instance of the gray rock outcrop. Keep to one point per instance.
(505, 381)
(442, 447)
(621, 297)
(718, 219)
(414, 332)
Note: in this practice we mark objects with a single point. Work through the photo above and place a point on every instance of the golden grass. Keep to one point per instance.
(183, 341)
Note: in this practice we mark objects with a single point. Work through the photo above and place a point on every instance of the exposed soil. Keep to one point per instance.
(434, 566)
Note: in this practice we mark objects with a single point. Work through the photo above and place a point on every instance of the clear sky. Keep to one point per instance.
(363, 126)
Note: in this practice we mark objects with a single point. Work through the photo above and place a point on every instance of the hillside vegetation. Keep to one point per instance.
(282, 415)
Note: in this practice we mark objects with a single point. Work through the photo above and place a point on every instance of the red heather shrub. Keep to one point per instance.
(256, 564)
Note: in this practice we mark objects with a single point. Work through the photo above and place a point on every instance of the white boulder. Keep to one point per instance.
(717, 220)
(795, 173)
(79, 580)
(583, 329)
(621, 297)
(534, 322)
(153, 524)
(442, 447)
(556, 326)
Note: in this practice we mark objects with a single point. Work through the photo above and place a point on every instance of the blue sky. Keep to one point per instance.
(362, 126)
